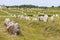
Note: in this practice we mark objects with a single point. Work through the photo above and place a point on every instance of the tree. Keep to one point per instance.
(59, 6)
(52, 6)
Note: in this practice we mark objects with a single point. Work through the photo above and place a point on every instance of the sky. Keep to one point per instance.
(31, 2)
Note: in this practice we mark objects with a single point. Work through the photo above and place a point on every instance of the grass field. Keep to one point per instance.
(31, 30)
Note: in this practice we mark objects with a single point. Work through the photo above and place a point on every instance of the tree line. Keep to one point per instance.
(30, 6)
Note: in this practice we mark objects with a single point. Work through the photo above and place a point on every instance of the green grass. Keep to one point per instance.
(32, 30)
(34, 12)
(2, 13)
